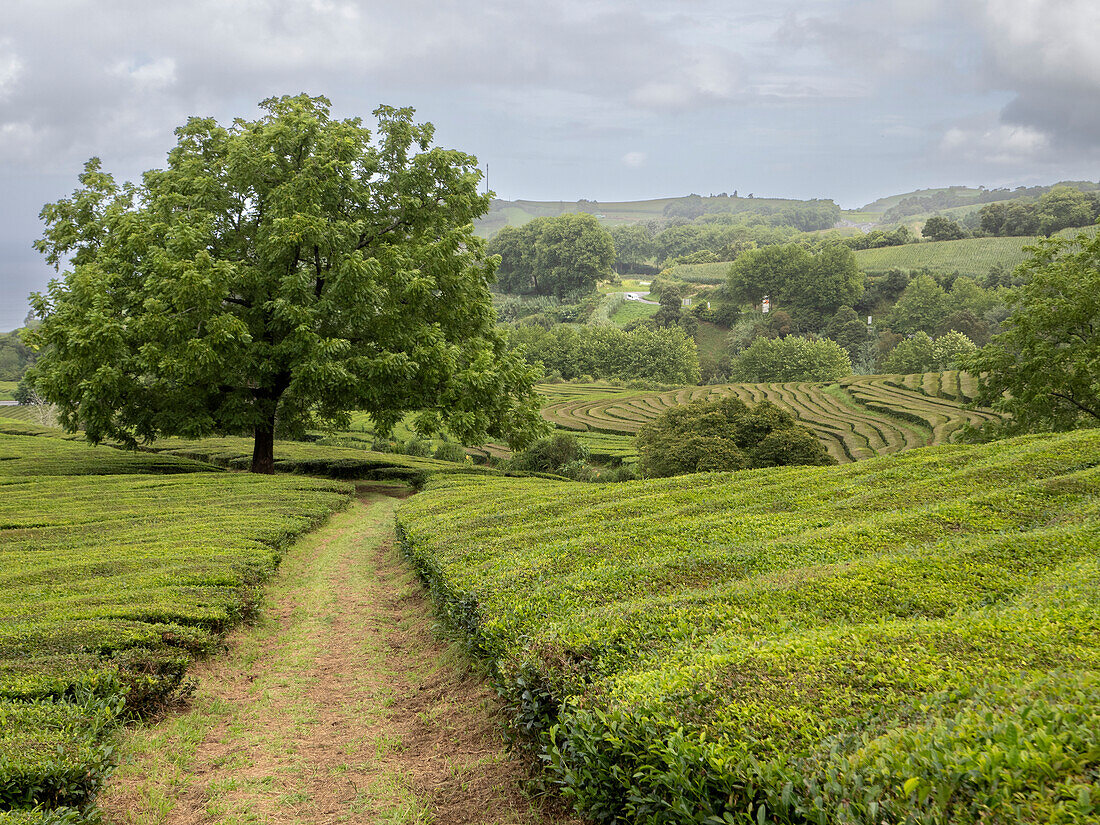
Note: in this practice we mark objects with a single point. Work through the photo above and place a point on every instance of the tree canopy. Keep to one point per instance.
(939, 228)
(726, 434)
(792, 359)
(1044, 367)
(276, 274)
(810, 287)
(563, 256)
(664, 354)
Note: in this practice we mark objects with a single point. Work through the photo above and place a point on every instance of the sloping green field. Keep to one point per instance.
(914, 638)
(858, 418)
(970, 256)
(116, 569)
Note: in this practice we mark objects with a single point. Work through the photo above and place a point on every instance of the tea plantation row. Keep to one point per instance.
(117, 569)
(912, 638)
(859, 418)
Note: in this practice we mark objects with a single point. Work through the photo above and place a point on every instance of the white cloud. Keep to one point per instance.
(149, 76)
(11, 68)
(634, 159)
(1035, 40)
(1001, 144)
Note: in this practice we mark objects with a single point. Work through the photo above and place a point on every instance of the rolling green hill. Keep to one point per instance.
(970, 256)
(859, 418)
(914, 638)
(610, 213)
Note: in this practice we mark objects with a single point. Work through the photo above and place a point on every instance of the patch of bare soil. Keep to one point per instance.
(346, 707)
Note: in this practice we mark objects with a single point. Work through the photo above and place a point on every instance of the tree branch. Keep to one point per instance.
(1076, 403)
(364, 240)
(317, 268)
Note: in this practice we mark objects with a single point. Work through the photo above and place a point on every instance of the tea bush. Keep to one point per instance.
(117, 569)
(912, 638)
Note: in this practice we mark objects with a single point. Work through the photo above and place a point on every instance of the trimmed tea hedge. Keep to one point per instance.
(859, 418)
(912, 638)
(117, 568)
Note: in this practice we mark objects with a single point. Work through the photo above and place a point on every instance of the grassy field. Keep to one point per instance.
(861, 417)
(708, 274)
(710, 340)
(633, 311)
(7, 390)
(970, 256)
(117, 569)
(914, 638)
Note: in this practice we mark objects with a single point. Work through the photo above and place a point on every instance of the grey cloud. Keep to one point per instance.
(1045, 55)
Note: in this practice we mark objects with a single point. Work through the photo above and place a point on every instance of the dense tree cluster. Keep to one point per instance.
(1060, 208)
(722, 435)
(665, 355)
(563, 256)
(939, 228)
(792, 358)
(805, 216)
(878, 238)
(1043, 369)
(15, 356)
(809, 286)
(923, 353)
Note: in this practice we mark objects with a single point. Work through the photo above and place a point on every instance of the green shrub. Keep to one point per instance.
(449, 451)
(723, 435)
(550, 455)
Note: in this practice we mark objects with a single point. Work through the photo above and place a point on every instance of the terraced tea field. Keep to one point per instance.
(913, 638)
(861, 417)
(117, 569)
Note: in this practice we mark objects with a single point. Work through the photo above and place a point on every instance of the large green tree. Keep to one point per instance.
(792, 359)
(563, 256)
(810, 287)
(1043, 369)
(274, 275)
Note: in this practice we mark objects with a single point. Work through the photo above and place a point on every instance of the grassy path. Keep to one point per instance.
(341, 706)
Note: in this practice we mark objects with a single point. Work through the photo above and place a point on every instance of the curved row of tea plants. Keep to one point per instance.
(953, 384)
(862, 417)
(943, 416)
(913, 638)
(117, 568)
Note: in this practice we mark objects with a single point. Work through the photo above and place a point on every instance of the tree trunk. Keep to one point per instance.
(263, 450)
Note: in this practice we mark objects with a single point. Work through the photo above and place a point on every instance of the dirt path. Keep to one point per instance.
(342, 706)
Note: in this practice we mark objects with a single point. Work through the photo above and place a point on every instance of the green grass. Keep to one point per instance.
(915, 638)
(633, 311)
(710, 340)
(709, 274)
(7, 390)
(970, 256)
(117, 568)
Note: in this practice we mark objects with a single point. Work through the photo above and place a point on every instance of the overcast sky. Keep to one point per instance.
(564, 99)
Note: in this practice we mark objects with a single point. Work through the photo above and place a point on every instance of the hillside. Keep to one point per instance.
(610, 213)
(969, 256)
(861, 417)
(911, 638)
